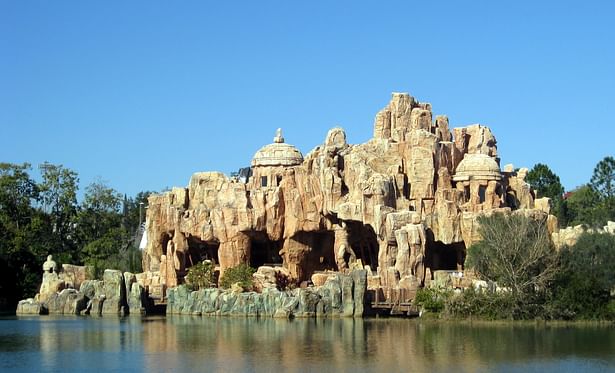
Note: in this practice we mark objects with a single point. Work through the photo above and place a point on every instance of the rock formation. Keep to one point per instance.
(570, 235)
(71, 292)
(403, 205)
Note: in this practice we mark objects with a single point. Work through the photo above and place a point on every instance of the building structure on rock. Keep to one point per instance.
(402, 205)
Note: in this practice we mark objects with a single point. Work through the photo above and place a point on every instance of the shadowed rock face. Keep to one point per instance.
(405, 204)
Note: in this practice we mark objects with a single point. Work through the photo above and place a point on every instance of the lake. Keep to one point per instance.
(202, 344)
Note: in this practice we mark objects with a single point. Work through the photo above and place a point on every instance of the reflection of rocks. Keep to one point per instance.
(341, 295)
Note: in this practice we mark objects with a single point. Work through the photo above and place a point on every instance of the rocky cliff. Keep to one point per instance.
(402, 205)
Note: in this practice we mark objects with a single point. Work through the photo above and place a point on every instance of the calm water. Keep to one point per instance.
(245, 345)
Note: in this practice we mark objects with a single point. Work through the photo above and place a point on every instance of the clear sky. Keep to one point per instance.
(144, 93)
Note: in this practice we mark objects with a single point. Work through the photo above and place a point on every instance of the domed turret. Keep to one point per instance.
(278, 154)
(271, 162)
(477, 167)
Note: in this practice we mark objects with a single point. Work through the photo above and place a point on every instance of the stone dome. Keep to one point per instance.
(277, 154)
(477, 167)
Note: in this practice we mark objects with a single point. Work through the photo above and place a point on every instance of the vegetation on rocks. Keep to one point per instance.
(240, 274)
(432, 299)
(201, 275)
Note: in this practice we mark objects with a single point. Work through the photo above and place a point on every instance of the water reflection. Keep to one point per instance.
(225, 344)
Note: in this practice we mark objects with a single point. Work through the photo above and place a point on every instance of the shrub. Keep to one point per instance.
(432, 299)
(201, 275)
(241, 274)
(480, 304)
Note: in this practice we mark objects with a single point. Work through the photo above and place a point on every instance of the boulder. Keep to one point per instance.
(114, 291)
(29, 307)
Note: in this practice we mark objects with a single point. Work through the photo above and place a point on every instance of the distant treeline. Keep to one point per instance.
(44, 218)
(592, 204)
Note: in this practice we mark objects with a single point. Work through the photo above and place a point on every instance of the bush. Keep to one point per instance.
(432, 299)
(201, 275)
(480, 304)
(241, 274)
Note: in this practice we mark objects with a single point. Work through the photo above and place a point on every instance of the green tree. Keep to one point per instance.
(603, 178)
(583, 207)
(99, 213)
(603, 182)
(547, 184)
(585, 281)
(135, 211)
(516, 252)
(21, 227)
(58, 192)
(104, 230)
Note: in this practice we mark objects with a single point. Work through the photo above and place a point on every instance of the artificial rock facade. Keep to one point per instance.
(402, 205)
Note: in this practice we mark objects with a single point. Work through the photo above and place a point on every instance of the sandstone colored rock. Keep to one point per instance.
(569, 236)
(29, 307)
(339, 207)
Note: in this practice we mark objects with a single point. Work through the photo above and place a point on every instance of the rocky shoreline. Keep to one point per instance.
(120, 294)
(342, 295)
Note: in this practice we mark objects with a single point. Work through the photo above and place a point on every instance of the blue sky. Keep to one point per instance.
(144, 93)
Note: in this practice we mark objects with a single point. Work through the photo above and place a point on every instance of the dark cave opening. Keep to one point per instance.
(199, 251)
(364, 243)
(264, 251)
(441, 256)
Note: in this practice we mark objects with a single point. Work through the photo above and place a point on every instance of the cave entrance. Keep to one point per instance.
(320, 255)
(264, 252)
(447, 257)
(364, 243)
(164, 243)
(199, 251)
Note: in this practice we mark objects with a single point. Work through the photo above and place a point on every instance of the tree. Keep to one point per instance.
(21, 252)
(104, 235)
(547, 184)
(58, 192)
(99, 212)
(516, 252)
(603, 182)
(603, 178)
(583, 285)
(583, 207)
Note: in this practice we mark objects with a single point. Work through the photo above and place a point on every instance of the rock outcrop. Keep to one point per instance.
(340, 296)
(70, 292)
(402, 205)
(570, 235)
